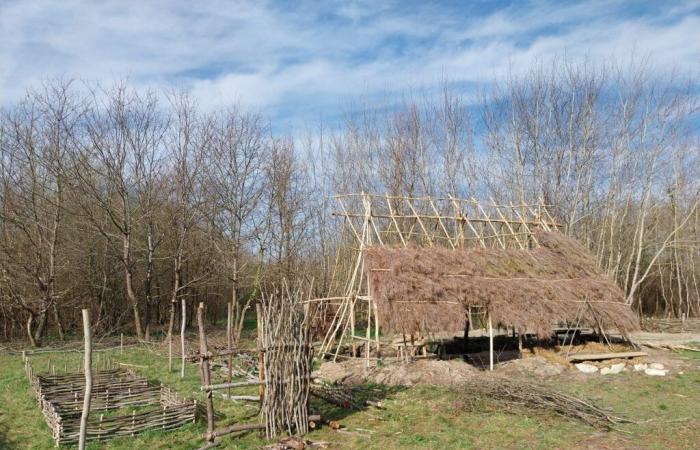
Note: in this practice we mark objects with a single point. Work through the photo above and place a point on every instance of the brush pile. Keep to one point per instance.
(497, 392)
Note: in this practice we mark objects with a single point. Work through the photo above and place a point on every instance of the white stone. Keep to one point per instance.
(657, 366)
(655, 372)
(615, 368)
(586, 368)
(640, 367)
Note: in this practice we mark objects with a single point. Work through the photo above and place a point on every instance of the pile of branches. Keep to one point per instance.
(498, 392)
(342, 396)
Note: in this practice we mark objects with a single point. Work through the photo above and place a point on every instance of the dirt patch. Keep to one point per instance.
(443, 373)
(536, 365)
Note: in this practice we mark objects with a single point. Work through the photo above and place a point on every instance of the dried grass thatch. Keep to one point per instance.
(419, 289)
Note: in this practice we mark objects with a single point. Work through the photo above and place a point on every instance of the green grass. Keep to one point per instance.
(414, 418)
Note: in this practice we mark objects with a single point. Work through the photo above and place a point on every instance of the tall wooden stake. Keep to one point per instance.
(261, 350)
(229, 342)
(490, 342)
(204, 368)
(88, 379)
(171, 324)
(182, 337)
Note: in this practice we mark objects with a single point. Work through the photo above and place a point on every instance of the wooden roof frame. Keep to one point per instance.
(450, 221)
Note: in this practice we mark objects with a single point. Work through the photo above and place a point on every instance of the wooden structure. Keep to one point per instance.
(284, 367)
(60, 398)
(428, 264)
(399, 221)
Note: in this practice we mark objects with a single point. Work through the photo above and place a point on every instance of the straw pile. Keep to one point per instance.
(419, 289)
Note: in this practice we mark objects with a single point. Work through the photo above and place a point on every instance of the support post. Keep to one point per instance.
(121, 343)
(229, 342)
(490, 342)
(88, 379)
(261, 349)
(206, 375)
(182, 337)
(368, 341)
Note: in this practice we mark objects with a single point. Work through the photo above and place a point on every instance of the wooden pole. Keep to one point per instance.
(368, 342)
(88, 379)
(171, 324)
(261, 356)
(182, 337)
(121, 343)
(490, 342)
(229, 341)
(206, 375)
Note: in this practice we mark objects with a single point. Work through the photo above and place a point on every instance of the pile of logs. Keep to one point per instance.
(60, 398)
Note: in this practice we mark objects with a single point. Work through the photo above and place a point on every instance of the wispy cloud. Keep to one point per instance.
(295, 60)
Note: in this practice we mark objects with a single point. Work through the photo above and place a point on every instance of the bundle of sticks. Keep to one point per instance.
(287, 358)
(525, 394)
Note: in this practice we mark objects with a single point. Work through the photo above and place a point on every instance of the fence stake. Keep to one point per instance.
(88, 379)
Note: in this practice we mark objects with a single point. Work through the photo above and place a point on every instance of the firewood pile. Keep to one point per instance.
(498, 393)
(151, 407)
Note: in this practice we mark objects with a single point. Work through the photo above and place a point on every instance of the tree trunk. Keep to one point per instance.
(57, 319)
(40, 327)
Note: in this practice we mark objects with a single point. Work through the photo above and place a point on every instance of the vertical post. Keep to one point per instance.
(376, 329)
(490, 342)
(229, 341)
(352, 327)
(121, 343)
(368, 335)
(182, 337)
(171, 325)
(88, 379)
(204, 369)
(520, 343)
(261, 350)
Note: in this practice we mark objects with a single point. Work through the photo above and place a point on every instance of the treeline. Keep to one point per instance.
(129, 201)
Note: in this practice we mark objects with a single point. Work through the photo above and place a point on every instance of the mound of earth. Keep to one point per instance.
(536, 365)
(434, 372)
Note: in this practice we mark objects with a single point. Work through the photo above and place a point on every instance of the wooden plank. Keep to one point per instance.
(604, 356)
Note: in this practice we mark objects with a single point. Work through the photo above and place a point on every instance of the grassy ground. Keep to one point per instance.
(415, 418)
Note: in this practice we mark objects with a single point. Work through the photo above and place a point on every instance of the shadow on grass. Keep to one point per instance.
(366, 395)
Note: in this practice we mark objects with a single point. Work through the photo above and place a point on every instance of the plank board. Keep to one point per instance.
(603, 356)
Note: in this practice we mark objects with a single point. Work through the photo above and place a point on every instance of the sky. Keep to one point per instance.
(299, 61)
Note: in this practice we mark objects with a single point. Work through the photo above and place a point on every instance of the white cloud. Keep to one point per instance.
(310, 59)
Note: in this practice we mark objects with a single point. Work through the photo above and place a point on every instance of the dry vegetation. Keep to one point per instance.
(532, 290)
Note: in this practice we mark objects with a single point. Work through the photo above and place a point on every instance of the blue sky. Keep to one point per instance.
(298, 61)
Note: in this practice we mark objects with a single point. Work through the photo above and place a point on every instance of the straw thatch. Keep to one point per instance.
(423, 289)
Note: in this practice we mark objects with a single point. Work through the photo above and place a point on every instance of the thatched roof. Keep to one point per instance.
(429, 288)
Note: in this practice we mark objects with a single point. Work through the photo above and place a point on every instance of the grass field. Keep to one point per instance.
(666, 411)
